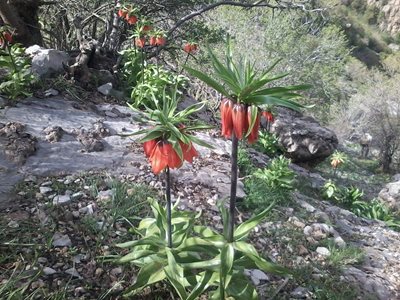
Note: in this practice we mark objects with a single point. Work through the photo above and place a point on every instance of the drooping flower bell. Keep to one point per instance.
(131, 19)
(5, 38)
(122, 13)
(148, 147)
(161, 40)
(239, 120)
(189, 152)
(253, 136)
(226, 117)
(162, 154)
(153, 41)
(268, 116)
(140, 42)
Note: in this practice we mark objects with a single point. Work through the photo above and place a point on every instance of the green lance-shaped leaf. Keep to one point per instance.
(208, 80)
(135, 254)
(206, 279)
(149, 274)
(227, 260)
(174, 273)
(244, 229)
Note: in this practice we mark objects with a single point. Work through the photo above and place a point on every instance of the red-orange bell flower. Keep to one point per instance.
(122, 13)
(189, 152)
(147, 28)
(153, 41)
(174, 161)
(140, 42)
(226, 117)
(239, 120)
(131, 19)
(161, 41)
(268, 116)
(149, 147)
(159, 158)
(253, 136)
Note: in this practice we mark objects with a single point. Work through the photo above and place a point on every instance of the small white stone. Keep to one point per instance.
(105, 89)
(49, 271)
(259, 275)
(61, 199)
(73, 272)
(323, 251)
(45, 190)
(60, 240)
(13, 224)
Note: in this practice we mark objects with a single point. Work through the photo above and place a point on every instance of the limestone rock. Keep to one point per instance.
(47, 62)
(105, 89)
(303, 138)
(390, 195)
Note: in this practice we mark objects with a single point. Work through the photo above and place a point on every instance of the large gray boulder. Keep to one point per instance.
(47, 62)
(303, 138)
(390, 194)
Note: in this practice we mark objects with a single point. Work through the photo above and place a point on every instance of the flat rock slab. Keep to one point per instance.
(68, 155)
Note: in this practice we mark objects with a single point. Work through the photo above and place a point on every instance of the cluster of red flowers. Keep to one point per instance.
(236, 118)
(190, 48)
(128, 15)
(162, 154)
(5, 37)
(156, 39)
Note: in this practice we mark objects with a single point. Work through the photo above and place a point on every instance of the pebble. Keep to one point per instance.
(61, 199)
(300, 293)
(74, 273)
(340, 242)
(48, 271)
(323, 251)
(47, 183)
(116, 271)
(77, 196)
(45, 190)
(13, 224)
(259, 275)
(42, 260)
(60, 240)
(98, 272)
(105, 195)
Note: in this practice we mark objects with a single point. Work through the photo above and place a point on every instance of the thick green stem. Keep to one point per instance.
(234, 175)
(169, 215)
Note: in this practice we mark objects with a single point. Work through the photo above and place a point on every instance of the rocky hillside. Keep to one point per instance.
(69, 173)
(390, 15)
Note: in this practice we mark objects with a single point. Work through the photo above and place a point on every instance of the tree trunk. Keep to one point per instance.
(386, 155)
(22, 15)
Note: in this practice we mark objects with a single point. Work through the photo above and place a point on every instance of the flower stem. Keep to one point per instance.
(169, 215)
(184, 64)
(234, 175)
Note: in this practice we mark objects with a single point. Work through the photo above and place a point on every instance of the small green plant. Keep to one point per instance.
(268, 143)
(329, 189)
(343, 256)
(342, 196)
(195, 263)
(337, 159)
(351, 198)
(18, 77)
(245, 164)
(146, 81)
(273, 183)
(152, 81)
